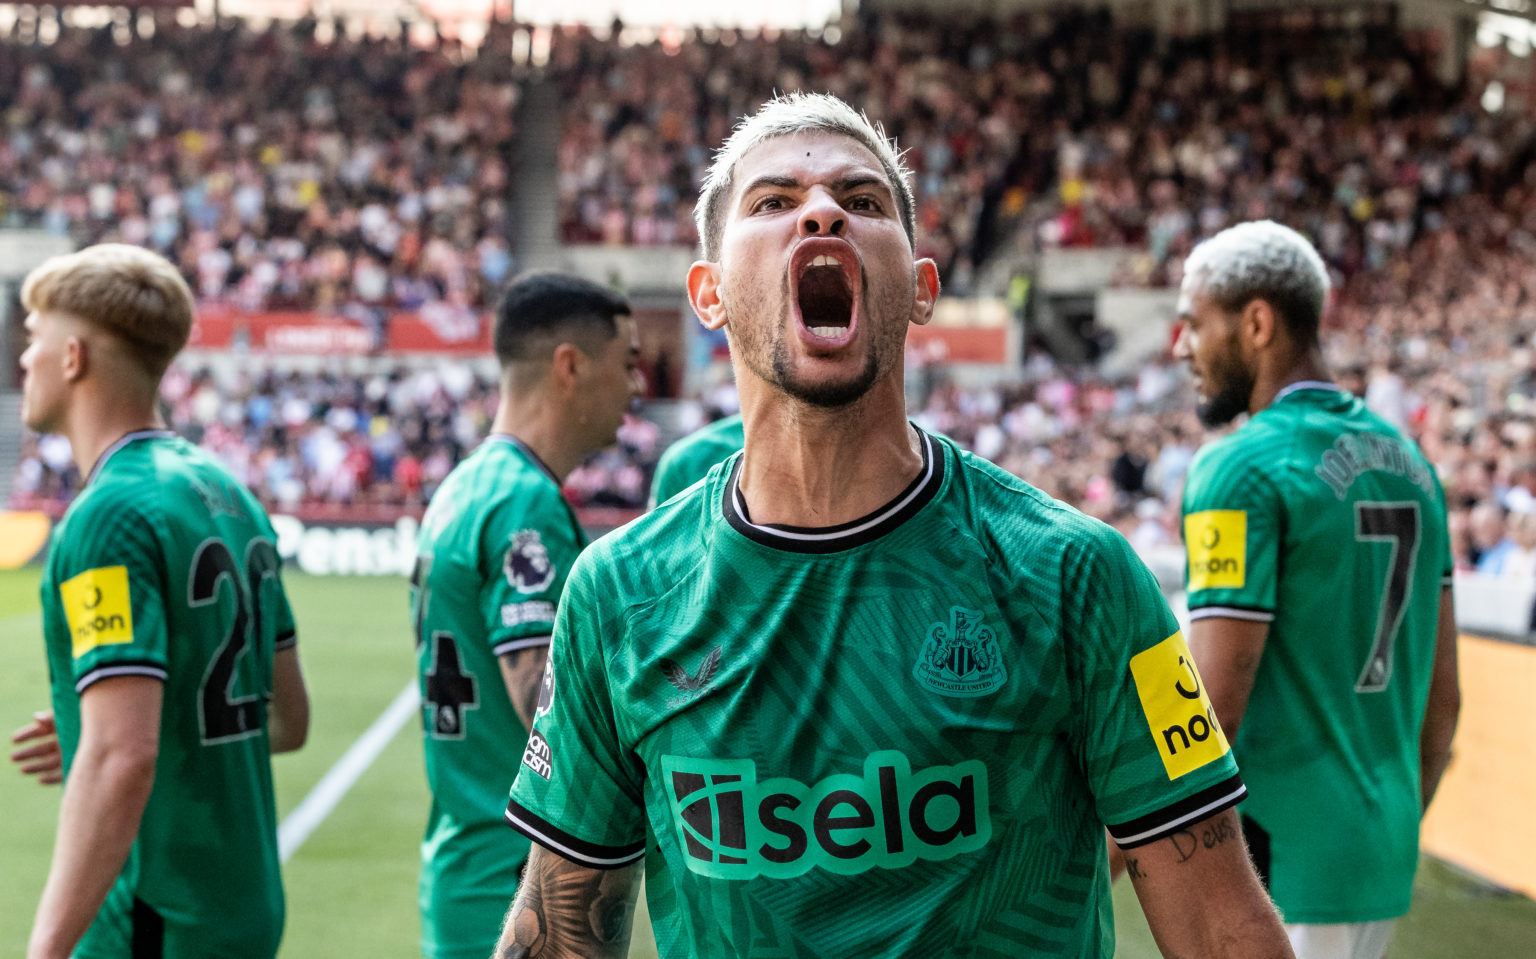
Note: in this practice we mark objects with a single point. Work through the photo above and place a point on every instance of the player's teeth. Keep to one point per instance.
(823, 260)
(827, 331)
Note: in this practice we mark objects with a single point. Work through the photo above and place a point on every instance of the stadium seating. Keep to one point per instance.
(365, 174)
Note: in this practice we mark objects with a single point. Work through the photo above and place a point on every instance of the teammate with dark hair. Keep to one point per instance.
(495, 548)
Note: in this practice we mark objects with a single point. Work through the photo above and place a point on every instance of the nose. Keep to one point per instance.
(1183, 349)
(822, 215)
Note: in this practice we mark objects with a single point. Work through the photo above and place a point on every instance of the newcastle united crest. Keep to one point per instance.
(961, 657)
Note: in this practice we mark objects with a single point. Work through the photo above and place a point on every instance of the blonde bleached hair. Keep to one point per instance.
(1263, 260)
(786, 115)
(130, 292)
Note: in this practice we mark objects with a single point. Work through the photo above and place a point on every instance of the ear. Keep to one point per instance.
(1258, 323)
(566, 365)
(704, 294)
(76, 357)
(927, 291)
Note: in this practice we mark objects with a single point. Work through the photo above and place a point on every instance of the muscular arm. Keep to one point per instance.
(568, 911)
(104, 798)
(288, 713)
(1444, 703)
(523, 672)
(1201, 896)
(1227, 651)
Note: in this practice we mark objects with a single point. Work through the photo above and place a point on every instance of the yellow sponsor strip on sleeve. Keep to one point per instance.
(1178, 711)
(98, 608)
(1217, 542)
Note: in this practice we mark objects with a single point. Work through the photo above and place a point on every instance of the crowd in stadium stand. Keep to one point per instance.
(279, 171)
(641, 122)
(276, 171)
(359, 446)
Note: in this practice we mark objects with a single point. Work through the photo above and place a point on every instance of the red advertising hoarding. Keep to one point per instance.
(293, 333)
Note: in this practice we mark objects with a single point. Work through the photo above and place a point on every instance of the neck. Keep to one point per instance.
(810, 466)
(97, 422)
(1300, 368)
(537, 423)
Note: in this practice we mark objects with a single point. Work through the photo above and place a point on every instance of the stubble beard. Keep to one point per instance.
(1234, 388)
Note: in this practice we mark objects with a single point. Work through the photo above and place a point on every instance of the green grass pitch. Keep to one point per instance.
(351, 888)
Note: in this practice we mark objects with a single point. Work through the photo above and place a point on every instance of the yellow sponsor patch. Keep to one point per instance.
(1217, 540)
(98, 608)
(1178, 711)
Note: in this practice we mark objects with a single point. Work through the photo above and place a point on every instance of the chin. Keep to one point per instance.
(831, 393)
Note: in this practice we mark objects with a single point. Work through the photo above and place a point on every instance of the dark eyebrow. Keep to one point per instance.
(857, 180)
(852, 181)
(782, 182)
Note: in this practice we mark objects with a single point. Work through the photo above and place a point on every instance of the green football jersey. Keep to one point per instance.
(900, 736)
(1321, 519)
(165, 566)
(493, 553)
(686, 461)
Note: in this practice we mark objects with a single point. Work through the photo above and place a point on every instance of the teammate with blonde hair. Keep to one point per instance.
(170, 642)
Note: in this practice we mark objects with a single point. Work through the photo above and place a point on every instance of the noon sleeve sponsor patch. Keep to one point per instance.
(1178, 711)
(98, 607)
(1217, 541)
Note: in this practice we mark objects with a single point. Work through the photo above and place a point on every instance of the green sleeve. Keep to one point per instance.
(578, 791)
(672, 476)
(1154, 755)
(111, 589)
(1447, 560)
(526, 554)
(275, 598)
(1233, 525)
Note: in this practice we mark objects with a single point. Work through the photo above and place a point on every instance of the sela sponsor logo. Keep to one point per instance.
(536, 755)
(527, 563)
(1217, 540)
(730, 826)
(1178, 711)
(98, 608)
(961, 657)
(691, 686)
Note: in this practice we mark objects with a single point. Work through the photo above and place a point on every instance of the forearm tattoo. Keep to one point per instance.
(1210, 835)
(564, 909)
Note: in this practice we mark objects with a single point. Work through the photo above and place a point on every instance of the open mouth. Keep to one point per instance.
(825, 275)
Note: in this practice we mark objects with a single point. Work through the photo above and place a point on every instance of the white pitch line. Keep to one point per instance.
(322, 800)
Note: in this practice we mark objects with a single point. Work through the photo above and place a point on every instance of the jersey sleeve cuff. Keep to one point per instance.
(1248, 613)
(1170, 819)
(557, 840)
(126, 667)
(286, 641)
(521, 643)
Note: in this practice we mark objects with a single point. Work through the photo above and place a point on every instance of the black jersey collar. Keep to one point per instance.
(122, 442)
(831, 539)
(528, 452)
